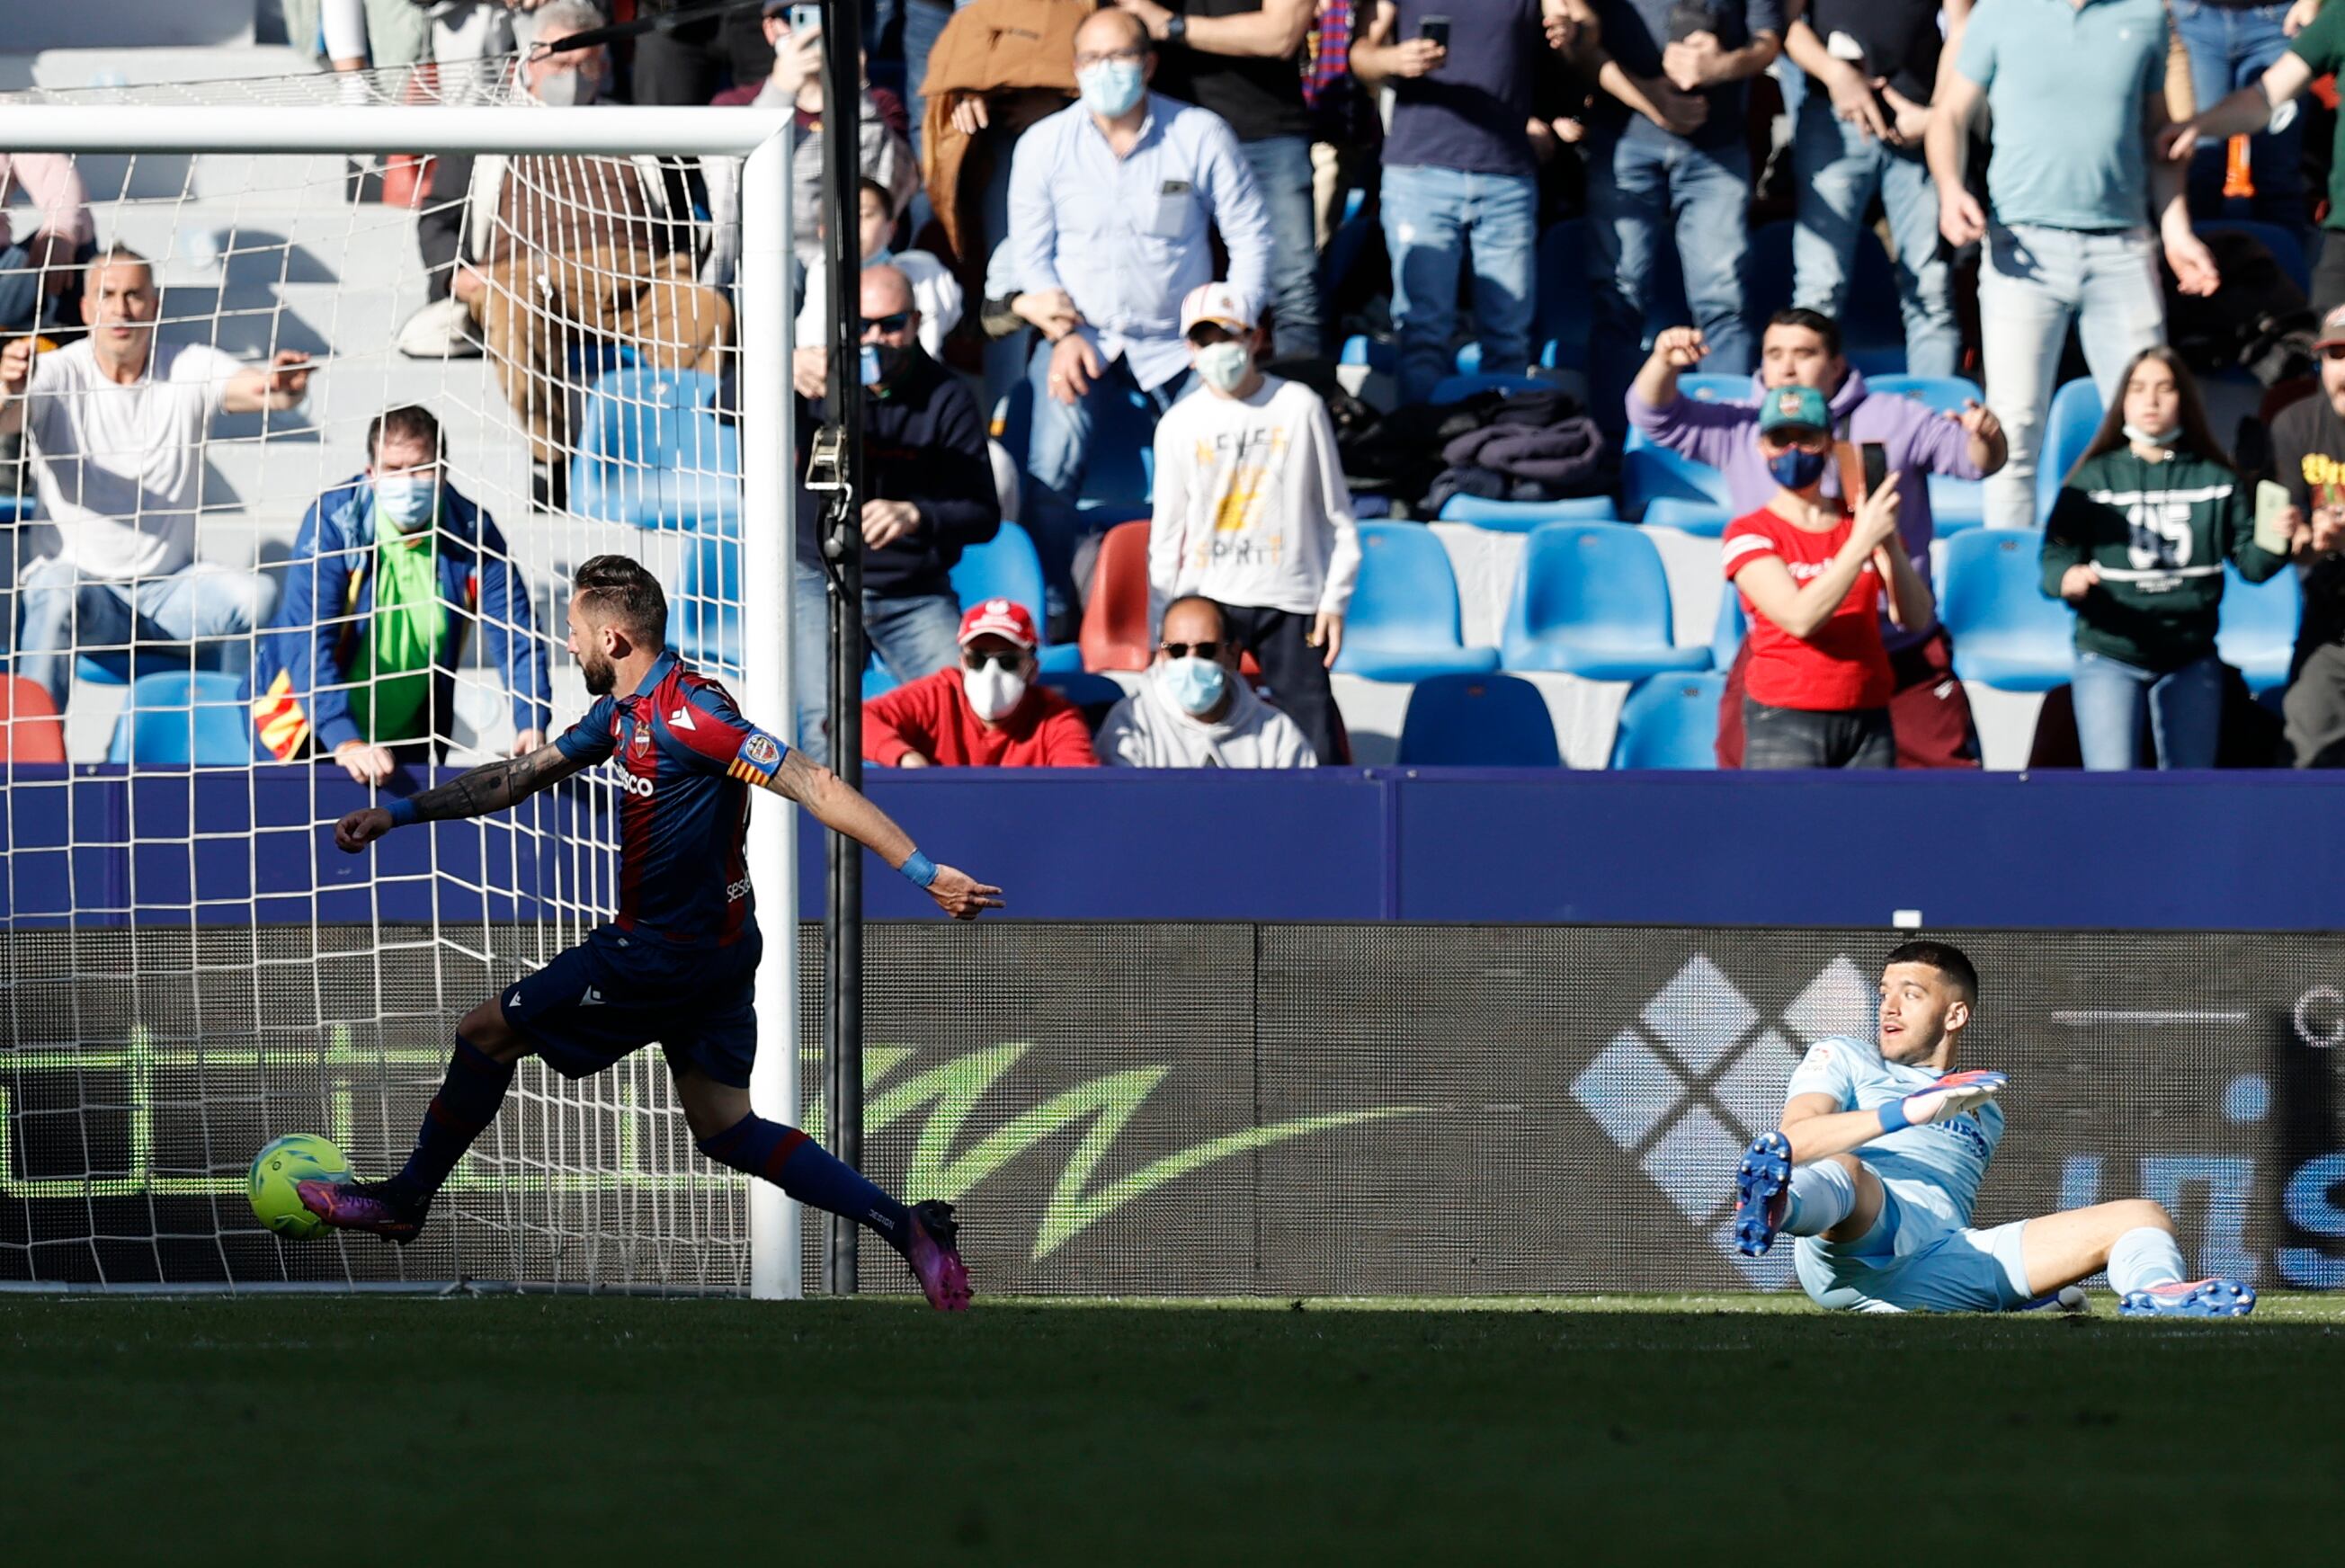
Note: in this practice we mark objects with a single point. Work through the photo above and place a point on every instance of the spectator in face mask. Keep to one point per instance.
(390, 572)
(987, 713)
(1195, 711)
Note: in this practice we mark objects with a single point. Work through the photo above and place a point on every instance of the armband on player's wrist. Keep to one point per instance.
(919, 869)
(403, 812)
(1892, 1116)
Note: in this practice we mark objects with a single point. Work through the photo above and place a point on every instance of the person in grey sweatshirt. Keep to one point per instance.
(1195, 711)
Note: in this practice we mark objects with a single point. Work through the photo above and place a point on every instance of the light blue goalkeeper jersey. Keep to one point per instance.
(1950, 1156)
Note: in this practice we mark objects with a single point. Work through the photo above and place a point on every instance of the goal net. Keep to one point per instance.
(189, 969)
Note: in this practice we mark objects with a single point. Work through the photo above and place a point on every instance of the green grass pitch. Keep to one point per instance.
(1659, 1430)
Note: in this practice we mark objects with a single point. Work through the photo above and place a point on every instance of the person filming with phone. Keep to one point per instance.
(1813, 574)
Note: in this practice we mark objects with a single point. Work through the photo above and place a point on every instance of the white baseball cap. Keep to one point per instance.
(1218, 303)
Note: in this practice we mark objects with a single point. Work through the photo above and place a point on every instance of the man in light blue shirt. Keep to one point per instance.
(1112, 202)
(1878, 1165)
(2077, 94)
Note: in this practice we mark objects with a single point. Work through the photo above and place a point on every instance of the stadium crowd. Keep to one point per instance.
(1338, 264)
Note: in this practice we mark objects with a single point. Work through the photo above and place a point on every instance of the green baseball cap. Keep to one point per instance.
(1802, 405)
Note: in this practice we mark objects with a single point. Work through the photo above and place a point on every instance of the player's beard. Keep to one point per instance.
(602, 675)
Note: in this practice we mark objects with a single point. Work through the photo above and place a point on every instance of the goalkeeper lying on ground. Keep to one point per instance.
(1888, 1230)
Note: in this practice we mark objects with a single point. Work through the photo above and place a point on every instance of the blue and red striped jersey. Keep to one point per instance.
(687, 759)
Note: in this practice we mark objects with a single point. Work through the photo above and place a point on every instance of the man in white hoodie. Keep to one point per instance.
(1251, 511)
(1195, 711)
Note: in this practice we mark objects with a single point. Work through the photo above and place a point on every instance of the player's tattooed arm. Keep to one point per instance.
(843, 809)
(494, 787)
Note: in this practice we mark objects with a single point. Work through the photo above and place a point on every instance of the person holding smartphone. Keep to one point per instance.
(2309, 456)
(1813, 574)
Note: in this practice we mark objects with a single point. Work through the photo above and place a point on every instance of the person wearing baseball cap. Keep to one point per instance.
(1812, 575)
(989, 712)
(2309, 458)
(1250, 511)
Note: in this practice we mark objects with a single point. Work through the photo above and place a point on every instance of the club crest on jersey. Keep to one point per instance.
(759, 755)
(640, 742)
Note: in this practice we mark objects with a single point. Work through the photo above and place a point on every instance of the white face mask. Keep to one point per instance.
(1224, 365)
(406, 501)
(993, 690)
(565, 89)
(2150, 438)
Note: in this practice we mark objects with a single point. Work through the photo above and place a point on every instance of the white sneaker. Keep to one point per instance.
(441, 330)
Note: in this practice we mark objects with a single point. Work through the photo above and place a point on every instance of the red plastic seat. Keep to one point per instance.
(1116, 634)
(30, 730)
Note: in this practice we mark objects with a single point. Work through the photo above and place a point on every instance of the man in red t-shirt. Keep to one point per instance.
(1812, 576)
(988, 713)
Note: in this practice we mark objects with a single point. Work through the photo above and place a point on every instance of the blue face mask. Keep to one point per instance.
(1110, 87)
(879, 258)
(1194, 684)
(1797, 470)
(406, 501)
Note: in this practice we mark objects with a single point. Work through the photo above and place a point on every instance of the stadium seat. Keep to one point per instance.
(2257, 635)
(1946, 394)
(1593, 600)
(1726, 635)
(1458, 388)
(2008, 634)
(708, 605)
(1522, 516)
(1007, 567)
(1375, 353)
(2285, 247)
(1956, 504)
(1564, 323)
(1478, 721)
(1670, 721)
(1094, 695)
(120, 666)
(30, 730)
(2075, 414)
(653, 453)
(1704, 519)
(1706, 388)
(1116, 633)
(174, 719)
(878, 680)
(1121, 470)
(1649, 473)
(1405, 623)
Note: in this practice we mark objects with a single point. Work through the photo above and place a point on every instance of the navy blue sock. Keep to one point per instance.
(466, 1102)
(807, 1172)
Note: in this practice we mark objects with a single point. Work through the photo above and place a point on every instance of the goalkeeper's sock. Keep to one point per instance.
(807, 1172)
(467, 1102)
(1823, 1195)
(2142, 1256)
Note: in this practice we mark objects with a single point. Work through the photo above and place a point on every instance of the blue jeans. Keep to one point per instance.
(1281, 167)
(1642, 188)
(64, 614)
(914, 636)
(2228, 50)
(2185, 708)
(2032, 282)
(1057, 451)
(1432, 218)
(1836, 171)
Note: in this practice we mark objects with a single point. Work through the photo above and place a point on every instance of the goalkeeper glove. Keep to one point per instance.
(1949, 1097)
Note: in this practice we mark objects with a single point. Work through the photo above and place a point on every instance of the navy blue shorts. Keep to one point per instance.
(616, 993)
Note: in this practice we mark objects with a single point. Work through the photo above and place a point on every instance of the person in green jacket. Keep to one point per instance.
(2136, 543)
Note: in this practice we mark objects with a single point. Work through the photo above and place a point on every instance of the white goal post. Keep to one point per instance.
(298, 117)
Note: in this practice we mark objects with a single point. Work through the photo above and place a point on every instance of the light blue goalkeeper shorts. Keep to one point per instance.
(1918, 1257)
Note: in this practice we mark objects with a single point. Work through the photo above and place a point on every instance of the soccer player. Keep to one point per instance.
(678, 963)
(1879, 1158)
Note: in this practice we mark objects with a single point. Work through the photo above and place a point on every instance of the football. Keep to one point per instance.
(297, 1157)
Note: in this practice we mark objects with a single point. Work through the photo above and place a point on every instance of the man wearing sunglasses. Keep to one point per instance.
(928, 495)
(2309, 456)
(988, 713)
(1196, 712)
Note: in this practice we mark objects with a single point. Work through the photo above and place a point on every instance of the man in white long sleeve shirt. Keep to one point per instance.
(1252, 513)
(1195, 711)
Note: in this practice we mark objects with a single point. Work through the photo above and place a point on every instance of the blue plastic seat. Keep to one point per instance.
(1563, 321)
(1945, 393)
(179, 719)
(1120, 472)
(2257, 635)
(1458, 388)
(1008, 567)
(1593, 600)
(653, 453)
(120, 666)
(1956, 504)
(1405, 624)
(707, 608)
(1670, 721)
(1704, 519)
(1726, 635)
(1084, 689)
(2006, 633)
(1522, 516)
(1649, 473)
(2286, 249)
(877, 682)
(1478, 721)
(2075, 415)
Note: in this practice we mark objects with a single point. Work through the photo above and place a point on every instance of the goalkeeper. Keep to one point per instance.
(1879, 1162)
(678, 963)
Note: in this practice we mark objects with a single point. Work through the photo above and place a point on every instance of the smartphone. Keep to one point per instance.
(1434, 29)
(2271, 503)
(806, 19)
(1875, 458)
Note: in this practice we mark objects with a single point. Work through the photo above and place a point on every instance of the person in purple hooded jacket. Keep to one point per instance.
(1930, 710)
